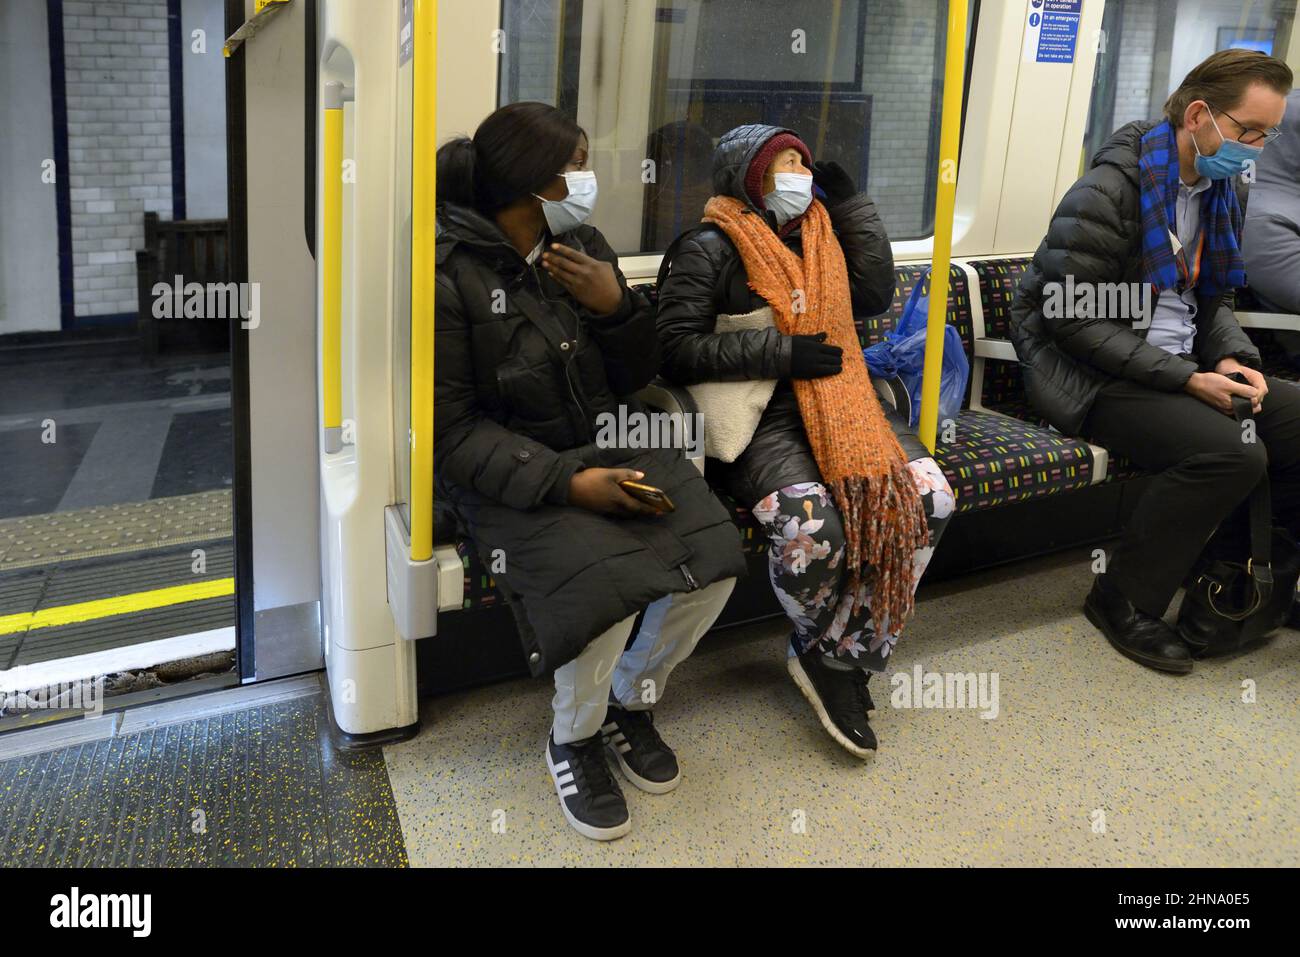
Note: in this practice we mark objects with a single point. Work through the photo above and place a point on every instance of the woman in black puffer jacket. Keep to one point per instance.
(538, 339)
(833, 647)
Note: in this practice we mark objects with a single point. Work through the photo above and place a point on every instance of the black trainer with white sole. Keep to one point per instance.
(642, 755)
(839, 698)
(591, 799)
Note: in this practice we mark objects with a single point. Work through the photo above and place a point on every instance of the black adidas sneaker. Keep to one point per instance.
(589, 796)
(839, 698)
(642, 755)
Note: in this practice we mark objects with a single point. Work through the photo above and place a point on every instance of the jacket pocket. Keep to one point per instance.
(523, 386)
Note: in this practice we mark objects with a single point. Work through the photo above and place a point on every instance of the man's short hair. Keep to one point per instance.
(1223, 78)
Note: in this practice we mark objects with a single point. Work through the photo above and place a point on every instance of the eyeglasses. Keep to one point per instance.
(1250, 136)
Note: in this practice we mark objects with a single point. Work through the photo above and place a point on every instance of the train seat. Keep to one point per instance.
(993, 457)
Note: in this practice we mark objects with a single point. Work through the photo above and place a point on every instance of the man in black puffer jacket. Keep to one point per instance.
(1157, 220)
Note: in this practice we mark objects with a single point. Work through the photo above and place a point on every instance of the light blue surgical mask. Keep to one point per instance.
(791, 197)
(1231, 159)
(575, 209)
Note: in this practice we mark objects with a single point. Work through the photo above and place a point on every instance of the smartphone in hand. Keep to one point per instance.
(648, 494)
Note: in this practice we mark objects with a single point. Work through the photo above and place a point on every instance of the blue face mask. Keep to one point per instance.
(571, 212)
(791, 198)
(1231, 159)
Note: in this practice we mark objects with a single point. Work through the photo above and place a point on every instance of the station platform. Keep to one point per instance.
(116, 548)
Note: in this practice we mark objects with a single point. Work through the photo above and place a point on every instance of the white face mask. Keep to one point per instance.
(571, 212)
(791, 197)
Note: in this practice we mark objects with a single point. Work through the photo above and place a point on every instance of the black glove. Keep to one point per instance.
(811, 358)
(834, 182)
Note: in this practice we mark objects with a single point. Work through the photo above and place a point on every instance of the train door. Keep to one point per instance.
(117, 398)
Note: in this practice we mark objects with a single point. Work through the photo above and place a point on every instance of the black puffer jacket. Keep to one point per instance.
(697, 290)
(1096, 236)
(522, 374)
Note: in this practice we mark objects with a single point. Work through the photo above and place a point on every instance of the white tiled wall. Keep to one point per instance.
(119, 142)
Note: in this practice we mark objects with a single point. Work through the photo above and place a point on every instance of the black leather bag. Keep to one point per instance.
(1231, 605)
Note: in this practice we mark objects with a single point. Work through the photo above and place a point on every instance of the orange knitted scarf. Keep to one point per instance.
(856, 451)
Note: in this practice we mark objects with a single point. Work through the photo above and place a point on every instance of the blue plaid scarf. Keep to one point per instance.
(1221, 264)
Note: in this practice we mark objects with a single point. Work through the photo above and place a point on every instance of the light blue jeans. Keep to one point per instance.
(669, 632)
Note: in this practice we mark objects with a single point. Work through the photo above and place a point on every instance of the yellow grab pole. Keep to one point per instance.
(423, 204)
(954, 73)
(332, 270)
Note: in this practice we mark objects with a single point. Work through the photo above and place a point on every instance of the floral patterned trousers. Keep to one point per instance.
(807, 569)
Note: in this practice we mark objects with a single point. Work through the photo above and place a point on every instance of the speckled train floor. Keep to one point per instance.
(1091, 759)
(257, 787)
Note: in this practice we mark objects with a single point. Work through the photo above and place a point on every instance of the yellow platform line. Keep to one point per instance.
(118, 605)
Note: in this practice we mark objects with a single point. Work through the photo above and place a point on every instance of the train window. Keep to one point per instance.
(860, 80)
(1145, 49)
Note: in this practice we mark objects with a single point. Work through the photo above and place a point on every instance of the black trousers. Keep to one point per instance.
(1204, 471)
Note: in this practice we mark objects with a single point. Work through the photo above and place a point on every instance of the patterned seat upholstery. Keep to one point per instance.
(1004, 390)
(1003, 387)
(480, 587)
(995, 460)
(1122, 469)
(999, 279)
(752, 540)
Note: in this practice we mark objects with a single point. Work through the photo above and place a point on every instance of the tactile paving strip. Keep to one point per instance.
(34, 540)
(263, 786)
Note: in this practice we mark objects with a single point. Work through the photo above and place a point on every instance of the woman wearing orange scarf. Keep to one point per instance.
(851, 501)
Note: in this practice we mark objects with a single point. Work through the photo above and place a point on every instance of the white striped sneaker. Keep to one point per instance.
(642, 755)
(589, 796)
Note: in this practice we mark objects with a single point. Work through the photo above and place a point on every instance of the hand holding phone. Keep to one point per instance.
(601, 490)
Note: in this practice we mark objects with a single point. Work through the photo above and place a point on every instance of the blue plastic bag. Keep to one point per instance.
(902, 353)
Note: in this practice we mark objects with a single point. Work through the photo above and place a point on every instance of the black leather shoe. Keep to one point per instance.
(1133, 633)
(837, 698)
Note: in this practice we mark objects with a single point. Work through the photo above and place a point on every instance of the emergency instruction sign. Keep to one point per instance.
(1052, 31)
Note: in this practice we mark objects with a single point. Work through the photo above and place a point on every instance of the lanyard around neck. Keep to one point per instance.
(1190, 278)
